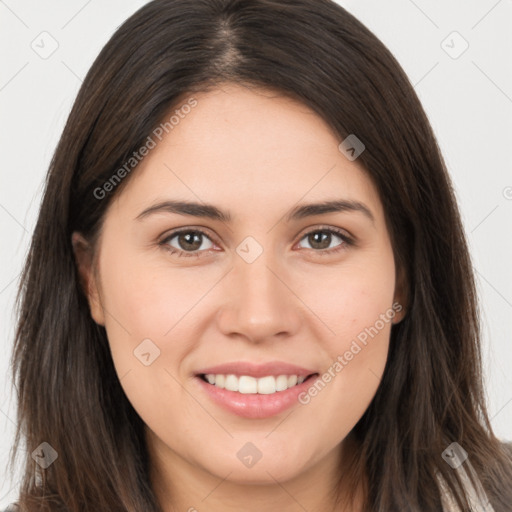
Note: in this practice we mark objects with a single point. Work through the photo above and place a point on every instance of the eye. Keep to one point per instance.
(190, 242)
(186, 242)
(321, 239)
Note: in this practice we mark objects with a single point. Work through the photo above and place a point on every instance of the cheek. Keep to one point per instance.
(151, 313)
(352, 299)
(147, 298)
(351, 377)
(357, 305)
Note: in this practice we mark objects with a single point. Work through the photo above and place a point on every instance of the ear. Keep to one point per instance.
(88, 280)
(401, 297)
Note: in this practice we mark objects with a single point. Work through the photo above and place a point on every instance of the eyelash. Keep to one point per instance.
(347, 241)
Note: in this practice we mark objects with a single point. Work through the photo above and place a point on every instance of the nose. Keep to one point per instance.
(260, 304)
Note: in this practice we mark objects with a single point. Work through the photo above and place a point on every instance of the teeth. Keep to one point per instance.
(231, 383)
(267, 385)
(247, 384)
(219, 380)
(250, 385)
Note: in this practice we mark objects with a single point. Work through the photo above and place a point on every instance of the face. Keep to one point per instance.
(249, 331)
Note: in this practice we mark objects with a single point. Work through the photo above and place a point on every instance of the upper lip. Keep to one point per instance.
(257, 370)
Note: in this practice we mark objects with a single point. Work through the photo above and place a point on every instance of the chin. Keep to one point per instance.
(256, 467)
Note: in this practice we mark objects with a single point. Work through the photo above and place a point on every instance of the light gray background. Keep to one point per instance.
(468, 100)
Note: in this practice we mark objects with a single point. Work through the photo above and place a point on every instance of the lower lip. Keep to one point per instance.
(254, 405)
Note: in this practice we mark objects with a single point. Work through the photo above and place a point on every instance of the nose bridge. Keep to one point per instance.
(258, 282)
(261, 305)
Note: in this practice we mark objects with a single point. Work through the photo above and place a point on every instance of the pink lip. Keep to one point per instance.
(239, 368)
(253, 405)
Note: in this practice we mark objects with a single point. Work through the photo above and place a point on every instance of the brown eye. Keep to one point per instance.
(321, 240)
(187, 241)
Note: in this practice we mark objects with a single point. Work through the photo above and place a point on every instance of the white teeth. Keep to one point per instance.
(266, 385)
(220, 381)
(281, 383)
(250, 385)
(292, 380)
(231, 383)
(247, 385)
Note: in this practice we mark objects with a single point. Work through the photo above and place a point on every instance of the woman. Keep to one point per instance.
(321, 351)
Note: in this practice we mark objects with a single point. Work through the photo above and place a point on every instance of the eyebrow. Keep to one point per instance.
(209, 211)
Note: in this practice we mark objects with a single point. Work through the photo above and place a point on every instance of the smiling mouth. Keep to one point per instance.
(246, 384)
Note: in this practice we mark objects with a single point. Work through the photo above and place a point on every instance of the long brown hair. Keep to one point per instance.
(314, 51)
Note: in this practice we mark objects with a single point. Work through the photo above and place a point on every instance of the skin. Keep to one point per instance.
(258, 155)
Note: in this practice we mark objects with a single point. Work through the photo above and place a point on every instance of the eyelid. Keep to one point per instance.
(343, 233)
(187, 229)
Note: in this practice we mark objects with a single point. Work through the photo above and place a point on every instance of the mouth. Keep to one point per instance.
(255, 391)
(247, 384)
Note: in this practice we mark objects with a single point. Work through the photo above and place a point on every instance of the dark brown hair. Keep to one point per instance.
(314, 51)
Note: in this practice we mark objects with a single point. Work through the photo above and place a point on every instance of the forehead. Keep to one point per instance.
(249, 149)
